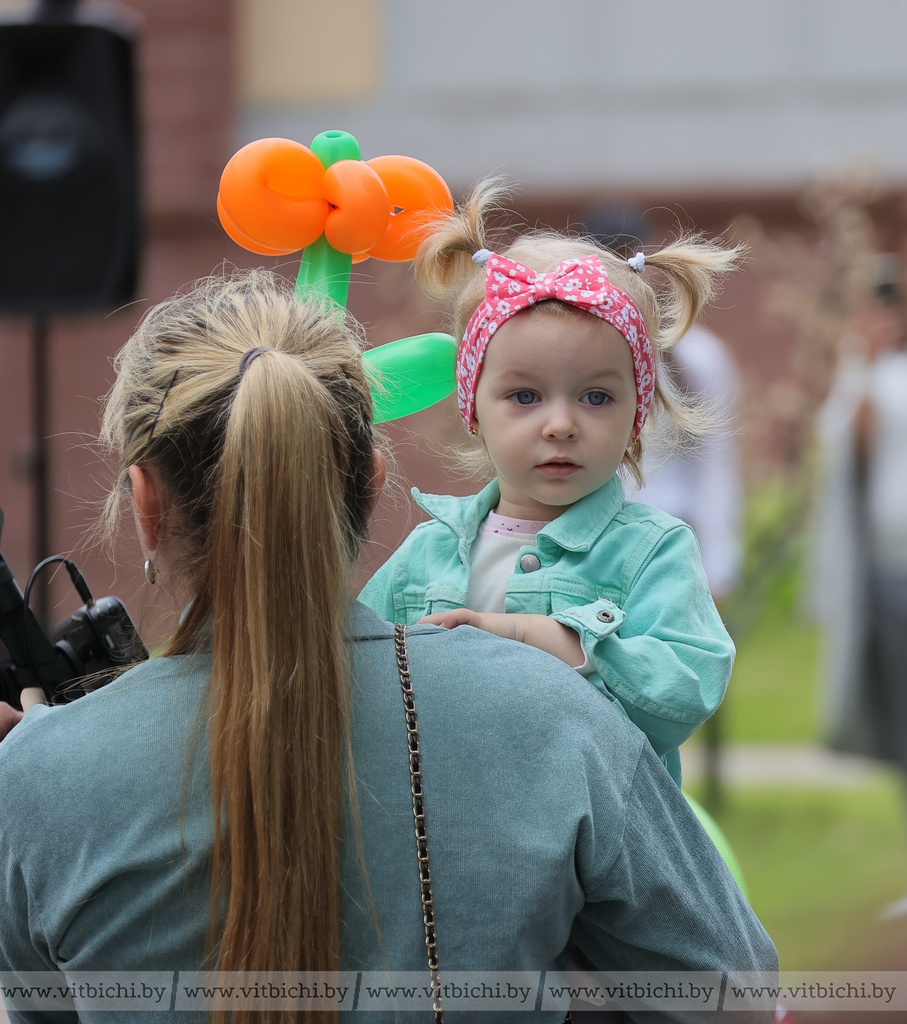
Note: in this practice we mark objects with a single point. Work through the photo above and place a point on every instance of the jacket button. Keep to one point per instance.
(605, 616)
(530, 563)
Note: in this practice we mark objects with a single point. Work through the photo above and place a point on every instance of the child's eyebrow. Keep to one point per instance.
(525, 374)
(609, 372)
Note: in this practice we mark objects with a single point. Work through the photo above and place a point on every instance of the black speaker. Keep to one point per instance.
(69, 172)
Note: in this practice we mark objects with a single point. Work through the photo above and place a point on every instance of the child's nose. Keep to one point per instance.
(560, 425)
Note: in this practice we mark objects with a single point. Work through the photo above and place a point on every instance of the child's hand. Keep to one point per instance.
(535, 630)
(498, 623)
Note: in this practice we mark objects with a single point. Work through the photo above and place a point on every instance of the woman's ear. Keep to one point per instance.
(378, 480)
(148, 498)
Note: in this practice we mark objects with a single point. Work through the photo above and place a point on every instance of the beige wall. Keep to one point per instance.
(305, 52)
(700, 94)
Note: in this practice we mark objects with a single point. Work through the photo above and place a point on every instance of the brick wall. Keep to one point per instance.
(187, 109)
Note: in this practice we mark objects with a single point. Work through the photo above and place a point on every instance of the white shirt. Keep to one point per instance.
(492, 559)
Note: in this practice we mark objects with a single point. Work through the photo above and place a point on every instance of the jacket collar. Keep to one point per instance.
(577, 529)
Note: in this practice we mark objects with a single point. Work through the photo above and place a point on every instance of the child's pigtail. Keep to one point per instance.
(444, 266)
(693, 267)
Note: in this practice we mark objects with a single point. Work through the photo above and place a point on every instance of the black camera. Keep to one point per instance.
(88, 649)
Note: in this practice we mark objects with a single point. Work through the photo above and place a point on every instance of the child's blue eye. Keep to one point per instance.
(523, 397)
(596, 398)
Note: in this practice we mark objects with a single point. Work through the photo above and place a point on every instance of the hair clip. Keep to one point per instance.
(482, 256)
(638, 262)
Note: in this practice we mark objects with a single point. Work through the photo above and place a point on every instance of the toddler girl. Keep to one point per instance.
(557, 373)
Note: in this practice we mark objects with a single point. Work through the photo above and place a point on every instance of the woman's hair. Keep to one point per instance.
(269, 474)
(689, 271)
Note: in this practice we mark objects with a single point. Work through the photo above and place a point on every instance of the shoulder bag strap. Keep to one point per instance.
(415, 771)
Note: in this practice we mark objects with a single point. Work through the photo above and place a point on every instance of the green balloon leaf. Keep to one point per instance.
(411, 374)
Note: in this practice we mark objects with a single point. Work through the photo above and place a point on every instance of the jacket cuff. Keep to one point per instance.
(593, 622)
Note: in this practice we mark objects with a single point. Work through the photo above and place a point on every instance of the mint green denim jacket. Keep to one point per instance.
(628, 578)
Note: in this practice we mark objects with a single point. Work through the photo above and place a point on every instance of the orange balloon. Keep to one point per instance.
(244, 240)
(361, 207)
(419, 195)
(272, 193)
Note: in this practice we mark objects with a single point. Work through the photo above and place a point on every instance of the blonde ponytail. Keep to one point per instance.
(444, 266)
(279, 697)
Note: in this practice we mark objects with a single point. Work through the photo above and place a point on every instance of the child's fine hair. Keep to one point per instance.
(688, 272)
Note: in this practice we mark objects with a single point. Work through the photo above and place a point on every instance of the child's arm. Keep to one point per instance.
(663, 653)
(536, 630)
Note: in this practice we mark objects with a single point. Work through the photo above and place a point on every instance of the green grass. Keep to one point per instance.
(820, 865)
(772, 696)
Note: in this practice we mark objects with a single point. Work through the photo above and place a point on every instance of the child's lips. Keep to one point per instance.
(559, 467)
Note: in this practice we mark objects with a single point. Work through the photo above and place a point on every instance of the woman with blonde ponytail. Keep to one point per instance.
(257, 824)
(560, 369)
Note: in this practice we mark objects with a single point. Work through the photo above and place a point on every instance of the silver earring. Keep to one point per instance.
(150, 571)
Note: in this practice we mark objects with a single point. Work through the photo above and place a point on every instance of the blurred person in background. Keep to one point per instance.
(702, 484)
(859, 570)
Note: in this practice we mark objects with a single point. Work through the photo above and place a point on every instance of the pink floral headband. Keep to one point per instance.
(510, 288)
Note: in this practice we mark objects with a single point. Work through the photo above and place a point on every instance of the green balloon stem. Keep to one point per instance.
(411, 374)
(323, 268)
(335, 145)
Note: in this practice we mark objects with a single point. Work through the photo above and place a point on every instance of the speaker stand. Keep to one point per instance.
(41, 385)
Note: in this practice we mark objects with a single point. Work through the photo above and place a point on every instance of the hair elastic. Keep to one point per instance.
(249, 357)
(511, 287)
(637, 262)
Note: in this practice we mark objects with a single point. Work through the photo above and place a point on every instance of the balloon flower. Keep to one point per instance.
(278, 196)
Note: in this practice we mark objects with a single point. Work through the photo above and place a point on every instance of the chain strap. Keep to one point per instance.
(415, 771)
